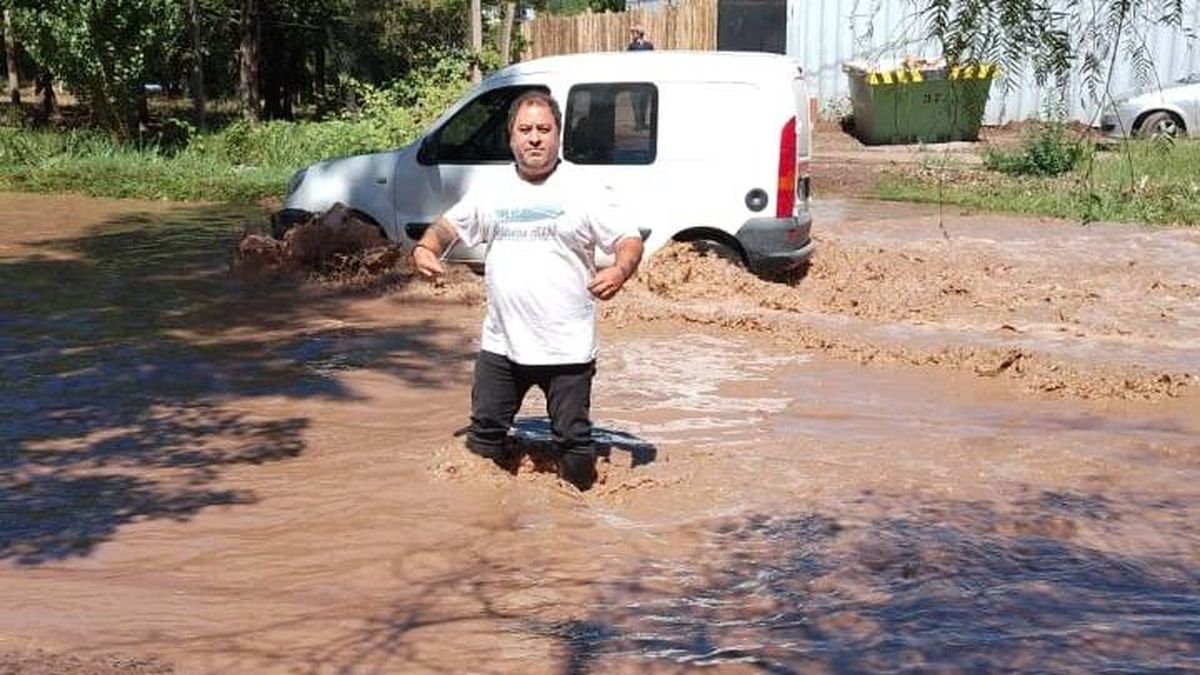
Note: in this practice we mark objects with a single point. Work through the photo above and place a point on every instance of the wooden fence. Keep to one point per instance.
(691, 24)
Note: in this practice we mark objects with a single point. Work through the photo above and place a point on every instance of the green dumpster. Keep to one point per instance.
(910, 105)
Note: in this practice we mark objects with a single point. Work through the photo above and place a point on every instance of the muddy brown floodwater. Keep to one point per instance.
(960, 444)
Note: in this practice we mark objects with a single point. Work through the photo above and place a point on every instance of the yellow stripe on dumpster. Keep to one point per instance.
(981, 71)
(898, 76)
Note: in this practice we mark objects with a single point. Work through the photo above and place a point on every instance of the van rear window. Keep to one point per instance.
(611, 123)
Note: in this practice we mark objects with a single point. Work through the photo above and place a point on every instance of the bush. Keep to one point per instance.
(389, 117)
(1046, 151)
(243, 162)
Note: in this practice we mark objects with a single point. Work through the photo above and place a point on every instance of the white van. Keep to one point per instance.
(707, 147)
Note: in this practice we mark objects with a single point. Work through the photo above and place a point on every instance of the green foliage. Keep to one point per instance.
(408, 36)
(1051, 38)
(243, 162)
(388, 118)
(1141, 183)
(1048, 150)
(102, 49)
(568, 7)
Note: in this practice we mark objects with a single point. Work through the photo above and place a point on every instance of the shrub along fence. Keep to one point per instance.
(690, 24)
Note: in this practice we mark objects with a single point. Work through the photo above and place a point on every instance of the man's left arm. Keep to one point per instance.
(609, 280)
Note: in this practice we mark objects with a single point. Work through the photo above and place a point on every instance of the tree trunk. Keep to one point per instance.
(476, 38)
(319, 72)
(45, 86)
(345, 62)
(506, 30)
(199, 97)
(248, 50)
(10, 50)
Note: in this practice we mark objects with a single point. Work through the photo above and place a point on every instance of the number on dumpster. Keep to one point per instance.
(933, 97)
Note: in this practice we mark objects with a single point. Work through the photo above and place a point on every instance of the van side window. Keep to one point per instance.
(477, 133)
(611, 123)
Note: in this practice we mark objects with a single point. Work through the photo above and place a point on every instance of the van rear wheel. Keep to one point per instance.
(720, 250)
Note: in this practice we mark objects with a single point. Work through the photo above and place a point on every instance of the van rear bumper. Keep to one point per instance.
(776, 244)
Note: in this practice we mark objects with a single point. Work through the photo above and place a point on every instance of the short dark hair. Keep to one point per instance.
(535, 96)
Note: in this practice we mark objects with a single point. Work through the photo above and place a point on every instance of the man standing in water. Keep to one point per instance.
(541, 226)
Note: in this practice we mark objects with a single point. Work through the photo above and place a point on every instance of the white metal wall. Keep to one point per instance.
(824, 34)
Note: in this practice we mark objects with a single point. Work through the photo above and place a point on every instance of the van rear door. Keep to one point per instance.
(803, 140)
(610, 136)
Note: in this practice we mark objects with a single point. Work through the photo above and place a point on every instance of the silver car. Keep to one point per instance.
(1172, 111)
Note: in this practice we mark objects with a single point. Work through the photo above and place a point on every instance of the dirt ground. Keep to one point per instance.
(844, 167)
(953, 428)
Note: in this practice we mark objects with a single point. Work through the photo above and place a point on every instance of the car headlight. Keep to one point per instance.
(295, 181)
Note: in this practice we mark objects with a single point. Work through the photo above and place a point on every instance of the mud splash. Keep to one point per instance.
(930, 302)
(834, 310)
(338, 251)
(336, 246)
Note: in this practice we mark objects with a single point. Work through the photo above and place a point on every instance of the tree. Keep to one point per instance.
(199, 95)
(10, 51)
(102, 50)
(1054, 38)
(476, 20)
(248, 61)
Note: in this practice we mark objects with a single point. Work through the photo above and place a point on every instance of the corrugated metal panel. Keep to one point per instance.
(824, 34)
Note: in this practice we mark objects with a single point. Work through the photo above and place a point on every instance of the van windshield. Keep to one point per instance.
(477, 133)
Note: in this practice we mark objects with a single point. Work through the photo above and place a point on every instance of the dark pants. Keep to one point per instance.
(500, 387)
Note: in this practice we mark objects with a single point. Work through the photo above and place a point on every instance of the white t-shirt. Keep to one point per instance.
(541, 241)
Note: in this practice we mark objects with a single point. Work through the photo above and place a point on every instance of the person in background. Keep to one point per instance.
(638, 41)
(541, 226)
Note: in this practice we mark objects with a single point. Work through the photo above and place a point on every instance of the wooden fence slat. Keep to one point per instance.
(690, 25)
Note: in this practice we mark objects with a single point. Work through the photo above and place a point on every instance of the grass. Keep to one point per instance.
(93, 164)
(239, 163)
(148, 176)
(1138, 181)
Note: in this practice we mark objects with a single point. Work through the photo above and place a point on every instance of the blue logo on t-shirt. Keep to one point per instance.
(514, 224)
(528, 214)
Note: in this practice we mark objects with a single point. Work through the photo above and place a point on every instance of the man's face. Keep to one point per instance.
(534, 140)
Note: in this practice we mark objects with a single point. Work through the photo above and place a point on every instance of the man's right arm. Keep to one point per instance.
(427, 253)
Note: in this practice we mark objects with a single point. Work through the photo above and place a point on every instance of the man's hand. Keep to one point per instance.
(607, 282)
(427, 262)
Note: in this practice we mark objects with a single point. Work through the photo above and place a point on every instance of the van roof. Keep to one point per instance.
(661, 65)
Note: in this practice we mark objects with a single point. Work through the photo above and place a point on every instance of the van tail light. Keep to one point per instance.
(785, 194)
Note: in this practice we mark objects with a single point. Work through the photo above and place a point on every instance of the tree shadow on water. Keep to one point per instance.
(949, 586)
(123, 351)
(953, 586)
